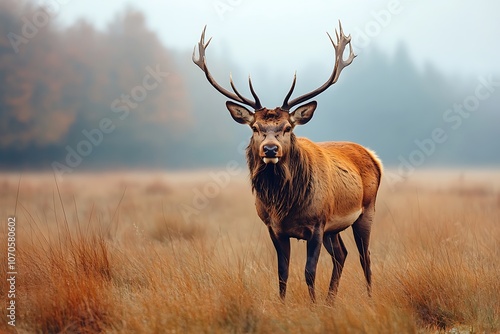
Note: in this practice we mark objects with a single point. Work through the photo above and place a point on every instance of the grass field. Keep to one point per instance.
(151, 253)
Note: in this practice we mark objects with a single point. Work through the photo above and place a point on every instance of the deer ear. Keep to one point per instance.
(303, 114)
(239, 113)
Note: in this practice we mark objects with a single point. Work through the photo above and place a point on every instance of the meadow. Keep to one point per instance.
(146, 253)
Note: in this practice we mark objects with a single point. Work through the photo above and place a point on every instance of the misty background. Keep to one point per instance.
(91, 86)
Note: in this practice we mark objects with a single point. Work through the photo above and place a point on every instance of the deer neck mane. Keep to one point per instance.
(281, 187)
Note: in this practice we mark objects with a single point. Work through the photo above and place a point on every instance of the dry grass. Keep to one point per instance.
(115, 254)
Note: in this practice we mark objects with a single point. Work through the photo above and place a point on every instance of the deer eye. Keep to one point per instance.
(288, 129)
(254, 129)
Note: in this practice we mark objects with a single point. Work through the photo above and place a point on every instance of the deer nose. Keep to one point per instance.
(270, 151)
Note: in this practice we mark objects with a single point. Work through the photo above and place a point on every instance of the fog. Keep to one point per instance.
(113, 86)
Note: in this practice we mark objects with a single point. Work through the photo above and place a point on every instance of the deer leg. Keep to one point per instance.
(282, 245)
(361, 229)
(313, 250)
(335, 246)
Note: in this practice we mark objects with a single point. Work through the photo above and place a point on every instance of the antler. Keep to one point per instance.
(340, 63)
(201, 63)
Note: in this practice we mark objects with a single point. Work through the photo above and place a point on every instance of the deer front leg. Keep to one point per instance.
(282, 245)
(313, 250)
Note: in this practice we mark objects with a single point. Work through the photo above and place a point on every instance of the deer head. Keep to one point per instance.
(273, 128)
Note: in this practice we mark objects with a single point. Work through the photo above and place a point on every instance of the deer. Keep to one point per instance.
(306, 190)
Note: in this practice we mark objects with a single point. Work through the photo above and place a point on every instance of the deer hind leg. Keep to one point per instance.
(336, 248)
(361, 229)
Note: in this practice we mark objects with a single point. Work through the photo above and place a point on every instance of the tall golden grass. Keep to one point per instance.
(112, 253)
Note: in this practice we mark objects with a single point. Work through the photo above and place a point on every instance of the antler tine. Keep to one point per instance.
(331, 39)
(341, 30)
(290, 92)
(257, 101)
(255, 104)
(201, 63)
(340, 64)
(342, 42)
(201, 50)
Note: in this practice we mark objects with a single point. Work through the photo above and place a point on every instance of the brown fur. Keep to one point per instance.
(305, 190)
(315, 191)
(316, 180)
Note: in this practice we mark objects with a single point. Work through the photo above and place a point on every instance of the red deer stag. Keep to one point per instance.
(305, 190)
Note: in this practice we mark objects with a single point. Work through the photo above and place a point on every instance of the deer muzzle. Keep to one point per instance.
(270, 153)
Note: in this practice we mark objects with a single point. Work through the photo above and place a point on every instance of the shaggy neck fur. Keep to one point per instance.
(284, 186)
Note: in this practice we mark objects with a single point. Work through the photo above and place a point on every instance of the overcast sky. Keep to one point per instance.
(459, 36)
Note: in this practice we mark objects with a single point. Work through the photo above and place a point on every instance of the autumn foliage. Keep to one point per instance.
(57, 81)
